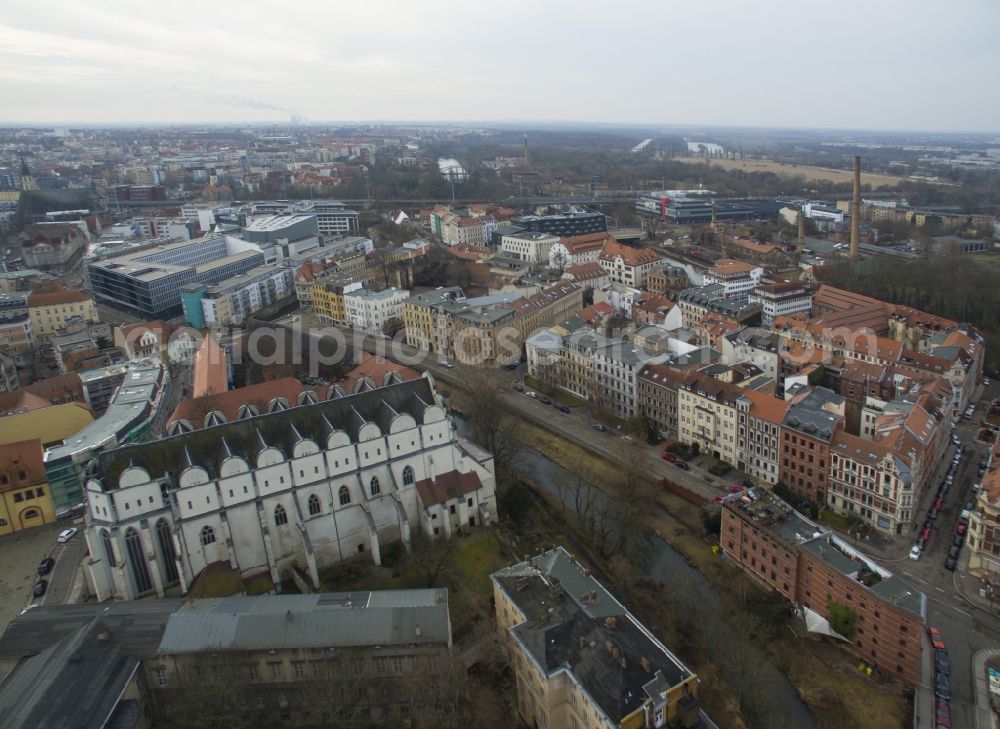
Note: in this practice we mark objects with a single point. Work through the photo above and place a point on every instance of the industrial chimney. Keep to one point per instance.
(802, 229)
(856, 208)
(525, 150)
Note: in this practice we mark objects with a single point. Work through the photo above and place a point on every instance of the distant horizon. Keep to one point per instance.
(512, 124)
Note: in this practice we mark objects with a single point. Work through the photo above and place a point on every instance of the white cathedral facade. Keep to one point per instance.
(298, 489)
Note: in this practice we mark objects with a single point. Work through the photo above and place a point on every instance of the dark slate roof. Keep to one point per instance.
(573, 623)
(73, 684)
(209, 446)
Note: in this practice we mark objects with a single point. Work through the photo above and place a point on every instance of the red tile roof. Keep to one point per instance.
(447, 486)
(211, 370)
(59, 296)
(629, 255)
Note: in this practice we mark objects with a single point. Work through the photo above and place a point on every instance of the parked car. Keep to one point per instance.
(938, 503)
(544, 400)
(925, 534)
(39, 588)
(531, 393)
(599, 427)
(957, 541)
(942, 689)
(510, 367)
(943, 714)
(915, 552)
(446, 363)
(953, 551)
(935, 635)
(563, 408)
(668, 457)
(683, 465)
(735, 489)
(66, 534)
(961, 529)
(942, 663)
(46, 565)
(934, 513)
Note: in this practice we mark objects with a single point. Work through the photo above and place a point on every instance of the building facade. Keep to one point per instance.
(375, 312)
(614, 672)
(707, 416)
(301, 488)
(815, 570)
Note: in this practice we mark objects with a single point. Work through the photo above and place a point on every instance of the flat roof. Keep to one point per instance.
(324, 620)
(271, 223)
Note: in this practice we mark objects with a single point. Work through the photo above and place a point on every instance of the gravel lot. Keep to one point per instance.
(20, 554)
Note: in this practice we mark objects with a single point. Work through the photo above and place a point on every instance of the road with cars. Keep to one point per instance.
(964, 628)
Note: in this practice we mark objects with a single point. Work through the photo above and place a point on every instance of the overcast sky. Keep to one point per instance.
(868, 64)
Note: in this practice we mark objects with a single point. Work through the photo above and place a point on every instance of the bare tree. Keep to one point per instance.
(429, 557)
(494, 425)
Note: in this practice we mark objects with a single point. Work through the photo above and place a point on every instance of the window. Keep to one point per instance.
(280, 517)
(452, 509)
(374, 487)
(407, 476)
(161, 677)
(345, 496)
(314, 505)
(275, 671)
(207, 535)
(109, 551)
(469, 502)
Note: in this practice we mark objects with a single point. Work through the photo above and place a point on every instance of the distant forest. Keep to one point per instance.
(964, 288)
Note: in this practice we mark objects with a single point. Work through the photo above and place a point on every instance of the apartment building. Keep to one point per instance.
(627, 265)
(781, 299)
(424, 314)
(25, 498)
(329, 300)
(736, 277)
(229, 302)
(984, 524)
(814, 416)
(759, 435)
(529, 247)
(868, 480)
(17, 339)
(757, 346)
(55, 248)
(51, 308)
(459, 230)
(580, 658)
(576, 250)
(814, 570)
(710, 300)
(707, 415)
(374, 312)
(667, 281)
(656, 390)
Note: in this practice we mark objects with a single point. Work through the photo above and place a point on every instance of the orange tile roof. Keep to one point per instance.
(26, 456)
(52, 391)
(587, 271)
(376, 369)
(631, 256)
(229, 402)
(59, 296)
(729, 266)
(211, 370)
(766, 407)
(576, 244)
(754, 246)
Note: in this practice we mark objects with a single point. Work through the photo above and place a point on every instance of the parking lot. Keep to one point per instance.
(22, 551)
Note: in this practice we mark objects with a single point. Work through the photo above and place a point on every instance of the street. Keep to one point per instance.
(965, 627)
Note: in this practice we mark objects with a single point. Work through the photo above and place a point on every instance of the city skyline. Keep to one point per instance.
(724, 64)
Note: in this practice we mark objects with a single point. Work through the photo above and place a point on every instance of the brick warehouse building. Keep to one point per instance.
(811, 567)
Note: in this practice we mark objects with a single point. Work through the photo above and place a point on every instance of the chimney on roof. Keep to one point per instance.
(856, 208)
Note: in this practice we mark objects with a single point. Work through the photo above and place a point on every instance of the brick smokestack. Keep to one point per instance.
(856, 208)
(802, 229)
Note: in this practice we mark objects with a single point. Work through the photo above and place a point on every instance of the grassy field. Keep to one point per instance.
(789, 170)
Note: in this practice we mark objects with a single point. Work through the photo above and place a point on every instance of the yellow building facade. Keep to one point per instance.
(25, 498)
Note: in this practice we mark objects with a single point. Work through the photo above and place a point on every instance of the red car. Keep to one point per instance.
(960, 531)
(720, 497)
(925, 533)
(938, 503)
(735, 489)
(936, 640)
(669, 457)
(943, 716)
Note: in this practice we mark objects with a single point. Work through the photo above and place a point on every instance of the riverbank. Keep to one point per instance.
(824, 675)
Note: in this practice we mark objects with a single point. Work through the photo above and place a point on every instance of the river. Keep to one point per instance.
(666, 565)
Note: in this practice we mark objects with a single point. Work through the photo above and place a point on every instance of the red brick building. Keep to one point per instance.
(813, 569)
